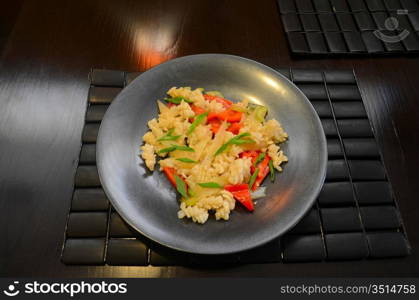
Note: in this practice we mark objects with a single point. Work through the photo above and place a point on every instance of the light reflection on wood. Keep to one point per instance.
(155, 44)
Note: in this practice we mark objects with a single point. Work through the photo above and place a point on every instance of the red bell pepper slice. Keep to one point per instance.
(244, 198)
(170, 104)
(170, 174)
(264, 163)
(264, 170)
(226, 103)
(249, 153)
(235, 128)
(212, 116)
(230, 116)
(242, 194)
(215, 125)
(236, 187)
(259, 179)
(197, 110)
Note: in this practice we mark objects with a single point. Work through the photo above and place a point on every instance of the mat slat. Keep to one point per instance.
(350, 27)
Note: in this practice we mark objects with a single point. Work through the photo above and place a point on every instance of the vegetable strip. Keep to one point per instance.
(198, 120)
(237, 140)
(213, 185)
(253, 178)
(178, 100)
(181, 186)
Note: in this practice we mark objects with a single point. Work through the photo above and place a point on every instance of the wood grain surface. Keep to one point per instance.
(48, 51)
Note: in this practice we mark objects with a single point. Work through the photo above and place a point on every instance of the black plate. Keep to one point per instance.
(149, 203)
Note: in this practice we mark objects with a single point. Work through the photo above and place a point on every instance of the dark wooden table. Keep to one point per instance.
(48, 48)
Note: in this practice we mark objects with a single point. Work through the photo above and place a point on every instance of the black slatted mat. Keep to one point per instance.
(354, 217)
(325, 27)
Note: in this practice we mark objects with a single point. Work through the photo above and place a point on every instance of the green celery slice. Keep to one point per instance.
(260, 157)
(178, 100)
(212, 185)
(237, 140)
(181, 186)
(198, 120)
(186, 160)
(271, 170)
(253, 178)
(168, 149)
(176, 147)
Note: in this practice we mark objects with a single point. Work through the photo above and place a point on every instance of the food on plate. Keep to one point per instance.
(213, 151)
